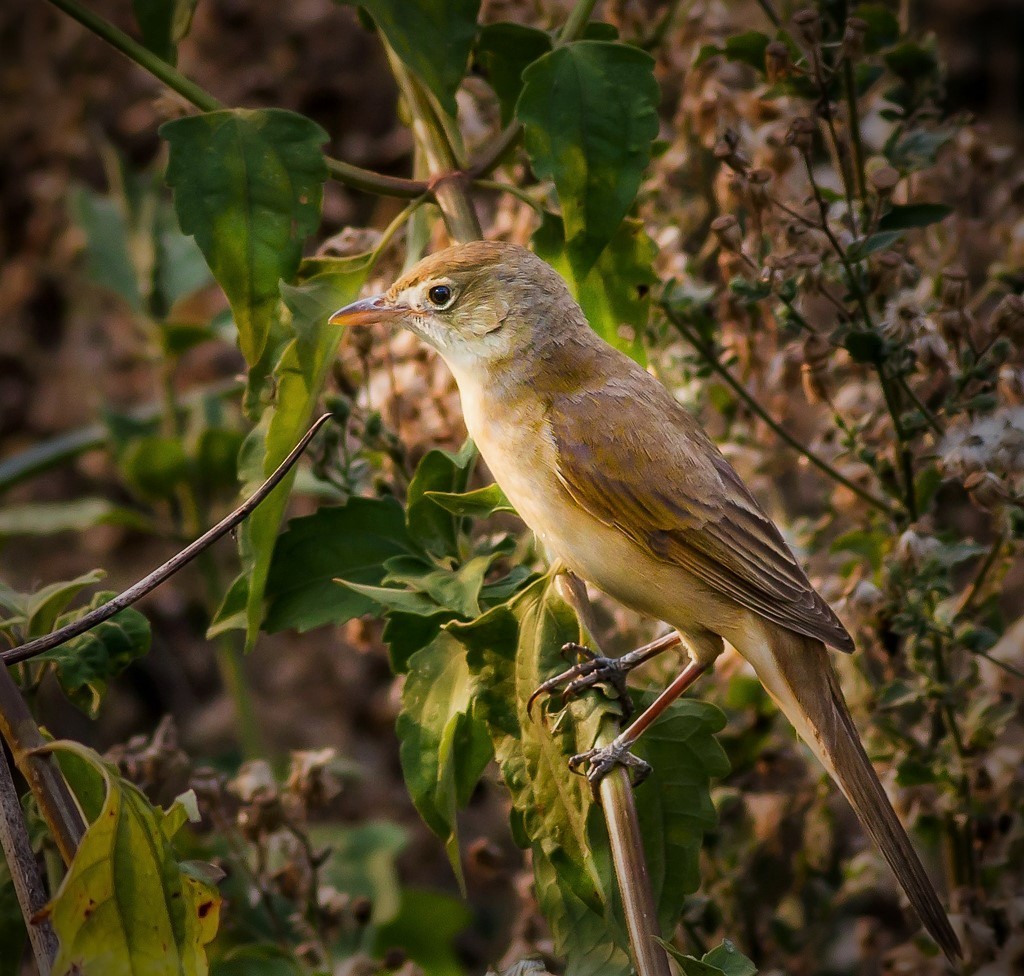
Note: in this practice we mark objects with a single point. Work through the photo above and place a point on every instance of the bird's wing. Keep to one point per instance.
(666, 486)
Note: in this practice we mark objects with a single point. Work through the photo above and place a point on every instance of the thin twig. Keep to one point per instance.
(353, 176)
(972, 591)
(713, 361)
(21, 862)
(169, 568)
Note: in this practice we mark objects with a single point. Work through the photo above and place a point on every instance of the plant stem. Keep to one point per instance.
(41, 771)
(447, 181)
(929, 417)
(903, 446)
(616, 795)
(858, 146)
(971, 594)
(21, 862)
(352, 176)
(153, 580)
(713, 361)
(631, 871)
(576, 21)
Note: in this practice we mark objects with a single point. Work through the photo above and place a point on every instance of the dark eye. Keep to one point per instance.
(440, 295)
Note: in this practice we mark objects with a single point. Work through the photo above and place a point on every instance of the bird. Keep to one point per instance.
(621, 483)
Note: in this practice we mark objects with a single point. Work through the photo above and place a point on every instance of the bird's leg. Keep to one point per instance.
(617, 752)
(592, 669)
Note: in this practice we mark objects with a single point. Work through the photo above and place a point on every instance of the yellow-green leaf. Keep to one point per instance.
(127, 907)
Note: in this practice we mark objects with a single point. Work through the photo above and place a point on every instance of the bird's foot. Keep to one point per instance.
(589, 670)
(603, 760)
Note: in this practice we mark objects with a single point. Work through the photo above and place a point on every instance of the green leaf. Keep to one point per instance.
(747, 48)
(86, 663)
(903, 216)
(444, 749)
(49, 518)
(504, 51)
(126, 906)
(723, 960)
(674, 805)
(430, 525)
(914, 772)
(883, 25)
(260, 959)
(432, 38)
(589, 110)
(916, 149)
(864, 246)
(864, 347)
(155, 467)
(426, 928)
(13, 936)
(299, 382)
(406, 633)
(363, 862)
(108, 261)
(42, 608)
(511, 650)
(911, 61)
(248, 185)
(164, 23)
(482, 503)
(455, 589)
(615, 294)
(349, 542)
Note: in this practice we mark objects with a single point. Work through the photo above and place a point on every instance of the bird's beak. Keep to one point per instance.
(367, 311)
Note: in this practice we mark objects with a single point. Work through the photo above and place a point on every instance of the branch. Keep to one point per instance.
(135, 593)
(616, 796)
(41, 772)
(352, 176)
(21, 862)
(713, 361)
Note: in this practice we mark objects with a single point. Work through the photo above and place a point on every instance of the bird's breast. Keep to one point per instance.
(513, 439)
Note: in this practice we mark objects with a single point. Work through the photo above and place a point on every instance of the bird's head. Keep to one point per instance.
(476, 303)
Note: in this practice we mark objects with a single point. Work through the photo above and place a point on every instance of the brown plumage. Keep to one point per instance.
(621, 483)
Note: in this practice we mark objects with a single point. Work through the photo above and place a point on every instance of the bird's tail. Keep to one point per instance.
(798, 674)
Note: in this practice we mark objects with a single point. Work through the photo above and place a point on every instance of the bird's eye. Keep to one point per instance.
(440, 295)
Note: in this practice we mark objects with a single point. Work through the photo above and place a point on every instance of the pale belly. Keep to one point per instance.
(521, 459)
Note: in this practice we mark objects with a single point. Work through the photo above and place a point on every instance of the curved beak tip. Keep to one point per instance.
(364, 312)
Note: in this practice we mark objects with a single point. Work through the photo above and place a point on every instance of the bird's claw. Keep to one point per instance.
(604, 759)
(589, 670)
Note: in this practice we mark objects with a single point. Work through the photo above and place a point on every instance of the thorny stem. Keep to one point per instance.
(24, 869)
(353, 176)
(153, 580)
(715, 363)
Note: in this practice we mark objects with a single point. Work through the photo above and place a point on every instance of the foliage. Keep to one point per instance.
(810, 202)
